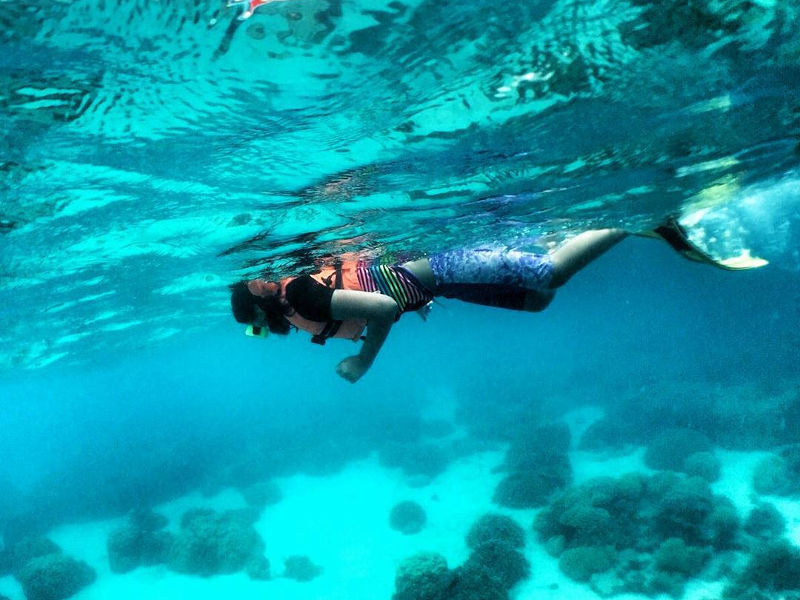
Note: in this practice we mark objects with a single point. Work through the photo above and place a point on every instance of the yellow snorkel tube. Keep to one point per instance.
(256, 331)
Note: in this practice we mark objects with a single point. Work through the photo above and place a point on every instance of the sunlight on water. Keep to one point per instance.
(173, 137)
(639, 440)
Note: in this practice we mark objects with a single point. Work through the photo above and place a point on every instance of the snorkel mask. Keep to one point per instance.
(256, 331)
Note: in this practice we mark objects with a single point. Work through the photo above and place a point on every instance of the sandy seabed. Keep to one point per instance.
(341, 522)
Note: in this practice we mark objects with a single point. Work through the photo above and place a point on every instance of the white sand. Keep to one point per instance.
(10, 588)
(341, 523)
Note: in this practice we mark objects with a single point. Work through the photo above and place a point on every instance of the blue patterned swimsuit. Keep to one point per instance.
(494, 277)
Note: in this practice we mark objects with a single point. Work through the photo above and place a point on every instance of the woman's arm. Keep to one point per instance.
(380, 313)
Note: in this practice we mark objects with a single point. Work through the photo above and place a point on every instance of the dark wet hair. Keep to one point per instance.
(243, 305)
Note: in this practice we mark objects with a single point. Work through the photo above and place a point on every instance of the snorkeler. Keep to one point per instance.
(342, 300)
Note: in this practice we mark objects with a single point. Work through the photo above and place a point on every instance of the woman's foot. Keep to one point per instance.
(675, 235)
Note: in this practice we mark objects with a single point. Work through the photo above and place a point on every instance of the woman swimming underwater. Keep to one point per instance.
(343, 300)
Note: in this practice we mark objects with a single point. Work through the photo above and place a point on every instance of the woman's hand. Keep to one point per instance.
(378, 311)
(352, 368)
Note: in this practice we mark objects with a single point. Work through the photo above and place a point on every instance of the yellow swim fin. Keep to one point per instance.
(675, 235)
(743, 261)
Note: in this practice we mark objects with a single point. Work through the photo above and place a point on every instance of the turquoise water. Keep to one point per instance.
(154, 152)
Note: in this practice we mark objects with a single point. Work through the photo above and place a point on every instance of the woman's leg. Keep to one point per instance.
(538, 300)
(421, 269)
(578, 252)
(509, 278)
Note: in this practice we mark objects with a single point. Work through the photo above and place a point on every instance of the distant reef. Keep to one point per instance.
(633, 534)
(736, 417)
(247, 456)
(495, 565)
(638, 534)
(537, 465)
(44, 571)
(207, 543)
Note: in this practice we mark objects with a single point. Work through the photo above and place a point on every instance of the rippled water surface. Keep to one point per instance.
(154, 151)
